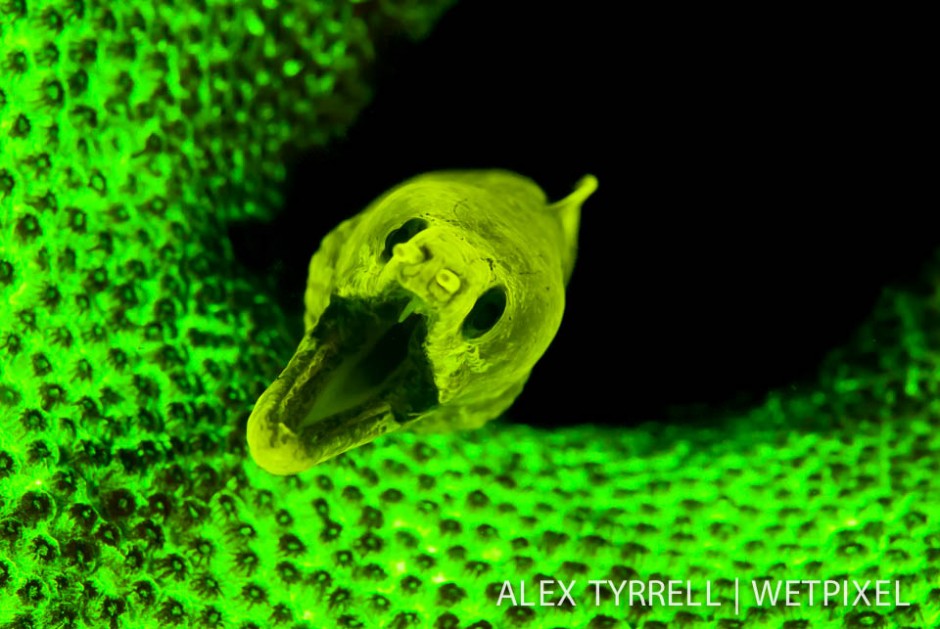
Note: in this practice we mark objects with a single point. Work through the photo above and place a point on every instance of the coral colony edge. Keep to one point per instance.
(133, 349)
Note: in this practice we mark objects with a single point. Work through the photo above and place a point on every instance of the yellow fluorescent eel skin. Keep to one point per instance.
(428, 310)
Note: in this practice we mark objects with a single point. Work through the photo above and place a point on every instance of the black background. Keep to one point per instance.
(760, 182)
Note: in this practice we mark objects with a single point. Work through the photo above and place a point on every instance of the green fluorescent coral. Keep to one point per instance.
(132, 349)
(426, 310)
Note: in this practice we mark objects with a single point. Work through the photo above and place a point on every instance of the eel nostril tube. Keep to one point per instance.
(448, 280)
(444, 285)
(408, 253)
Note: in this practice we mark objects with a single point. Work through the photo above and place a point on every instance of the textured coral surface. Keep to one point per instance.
(132, 349)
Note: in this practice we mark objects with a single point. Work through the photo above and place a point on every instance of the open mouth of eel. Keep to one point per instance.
(359, 373)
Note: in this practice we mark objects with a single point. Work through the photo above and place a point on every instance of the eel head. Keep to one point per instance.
(427, 310)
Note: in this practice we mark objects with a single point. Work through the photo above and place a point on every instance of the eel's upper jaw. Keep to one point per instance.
(360, 373)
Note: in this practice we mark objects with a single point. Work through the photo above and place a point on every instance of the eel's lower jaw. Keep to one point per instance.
(282, 450)
(359, 374)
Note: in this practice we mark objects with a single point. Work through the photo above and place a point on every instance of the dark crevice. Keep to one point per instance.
(754, 199)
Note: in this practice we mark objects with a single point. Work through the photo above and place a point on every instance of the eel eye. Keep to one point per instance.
(485, 313)
(401, 235)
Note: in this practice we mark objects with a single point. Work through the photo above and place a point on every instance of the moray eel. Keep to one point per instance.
(426, 311)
